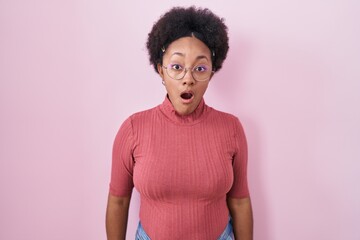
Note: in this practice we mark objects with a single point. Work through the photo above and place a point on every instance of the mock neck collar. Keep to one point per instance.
(196, 116)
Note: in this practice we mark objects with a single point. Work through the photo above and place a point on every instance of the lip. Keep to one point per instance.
(187, 101)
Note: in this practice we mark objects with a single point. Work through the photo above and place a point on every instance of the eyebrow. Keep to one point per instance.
(183, 55)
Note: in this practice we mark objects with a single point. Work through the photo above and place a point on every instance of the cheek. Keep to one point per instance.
(204, 87)
(170, 86)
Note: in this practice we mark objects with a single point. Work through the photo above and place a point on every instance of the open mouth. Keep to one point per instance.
(186, 95)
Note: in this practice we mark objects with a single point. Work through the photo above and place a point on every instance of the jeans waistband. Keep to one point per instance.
(226, 235)
(141, 234)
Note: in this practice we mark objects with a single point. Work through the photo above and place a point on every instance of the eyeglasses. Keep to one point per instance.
(200, 72)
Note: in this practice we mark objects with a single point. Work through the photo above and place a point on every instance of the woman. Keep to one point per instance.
(186, 159)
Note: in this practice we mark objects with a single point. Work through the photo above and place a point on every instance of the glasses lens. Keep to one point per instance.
(201, 72)
(175, 71)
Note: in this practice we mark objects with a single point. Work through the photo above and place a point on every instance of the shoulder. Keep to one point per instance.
(135, 121)
(224, 116)
(141, 115)
(140, 118)
(227, 120)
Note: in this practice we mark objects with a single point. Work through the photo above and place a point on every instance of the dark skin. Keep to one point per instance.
(117, 217)
(190, 51)
(118, 209)
(242, 217)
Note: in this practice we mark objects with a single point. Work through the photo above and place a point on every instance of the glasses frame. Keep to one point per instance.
(187, 70)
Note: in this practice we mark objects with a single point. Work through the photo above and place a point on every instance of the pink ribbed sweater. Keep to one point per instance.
(184, 167)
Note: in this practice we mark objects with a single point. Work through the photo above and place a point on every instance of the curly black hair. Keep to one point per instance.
(181, 22)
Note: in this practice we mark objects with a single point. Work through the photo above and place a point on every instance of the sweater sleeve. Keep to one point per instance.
(121, 183)
(240, 188)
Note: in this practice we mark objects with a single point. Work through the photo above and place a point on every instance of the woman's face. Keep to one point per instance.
(186, 52)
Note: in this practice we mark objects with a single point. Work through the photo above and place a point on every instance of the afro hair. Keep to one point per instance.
(181, 22)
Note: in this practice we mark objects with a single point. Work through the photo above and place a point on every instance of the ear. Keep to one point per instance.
(160, 70)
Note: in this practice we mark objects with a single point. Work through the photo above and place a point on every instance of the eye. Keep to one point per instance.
(201, 68)
(176, 67)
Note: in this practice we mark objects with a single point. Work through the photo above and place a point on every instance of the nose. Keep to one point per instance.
(188, 78)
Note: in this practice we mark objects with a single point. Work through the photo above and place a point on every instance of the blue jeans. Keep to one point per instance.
(226, 235)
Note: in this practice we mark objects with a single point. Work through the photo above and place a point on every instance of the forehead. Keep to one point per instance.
(187, 47)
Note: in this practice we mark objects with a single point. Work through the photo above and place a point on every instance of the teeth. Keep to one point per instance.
(186, 95)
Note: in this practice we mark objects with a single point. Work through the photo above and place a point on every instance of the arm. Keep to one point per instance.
(121, 183)
(116, 217)
(242, 218)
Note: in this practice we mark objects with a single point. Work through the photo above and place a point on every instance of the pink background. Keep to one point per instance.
(72, 71)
